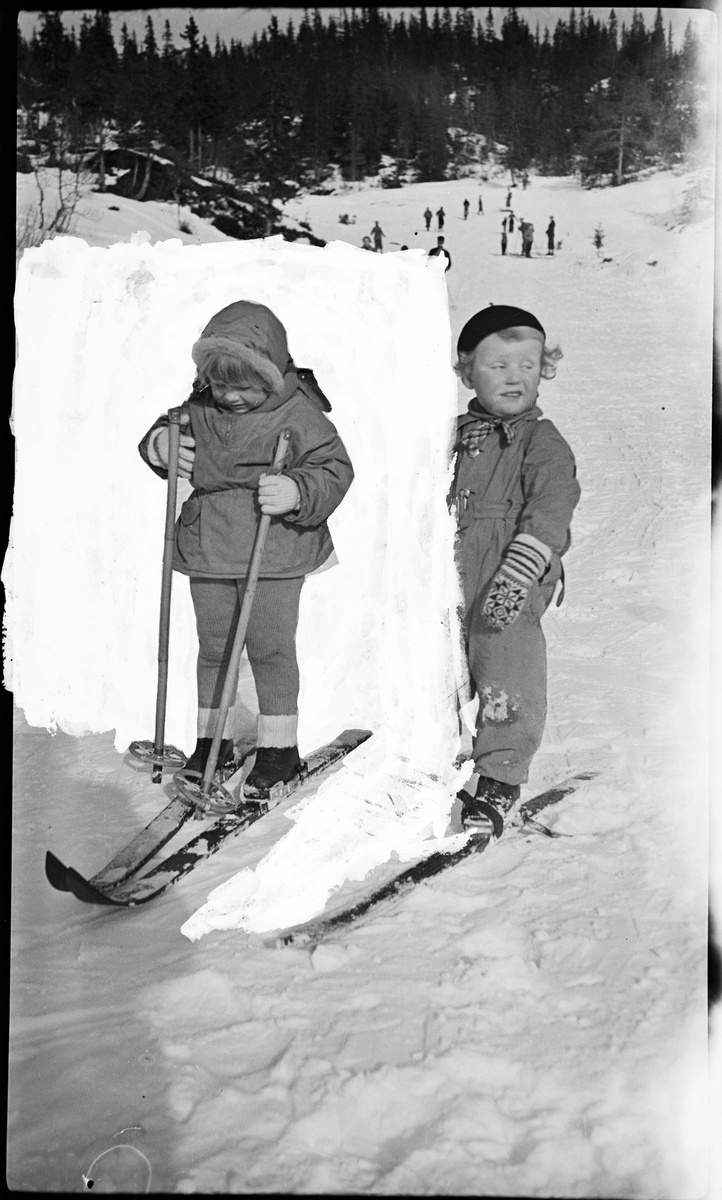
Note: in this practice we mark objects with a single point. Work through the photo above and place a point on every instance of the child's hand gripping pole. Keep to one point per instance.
(158, 753)
(222, 800)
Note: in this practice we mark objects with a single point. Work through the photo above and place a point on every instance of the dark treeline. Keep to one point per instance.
(433, 93)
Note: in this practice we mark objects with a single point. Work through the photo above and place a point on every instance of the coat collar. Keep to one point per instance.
(476, 413)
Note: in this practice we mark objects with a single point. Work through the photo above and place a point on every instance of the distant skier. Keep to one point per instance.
(511, 223)
(503, 237)
(378, 233)
(427, 217)
(527, 238)
(514, 490)
(366, 244)
(246, 391)
(550, 235)
(439, 248)
(508, 198)
(440, 214)
(525, 180)
(481, 206)
(466, 209)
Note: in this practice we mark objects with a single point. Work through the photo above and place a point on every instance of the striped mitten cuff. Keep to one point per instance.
(525, 561)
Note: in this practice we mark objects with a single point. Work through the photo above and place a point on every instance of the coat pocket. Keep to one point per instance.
(541, 593)
(190, 511)
(553, 573)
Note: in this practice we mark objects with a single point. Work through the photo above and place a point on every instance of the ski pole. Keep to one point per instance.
(158, 753)
(231, 683)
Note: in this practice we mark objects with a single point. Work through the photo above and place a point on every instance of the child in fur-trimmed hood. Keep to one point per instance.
(247, 390)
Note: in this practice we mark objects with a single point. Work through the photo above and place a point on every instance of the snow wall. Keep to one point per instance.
(104, 347)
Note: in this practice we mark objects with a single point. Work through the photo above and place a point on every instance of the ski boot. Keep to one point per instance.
(199, 757)
(486, 809)
(189, 780)
(274, 767)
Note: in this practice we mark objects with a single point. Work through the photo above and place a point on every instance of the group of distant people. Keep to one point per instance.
(526, 229)
(378, 235)
(440, 213)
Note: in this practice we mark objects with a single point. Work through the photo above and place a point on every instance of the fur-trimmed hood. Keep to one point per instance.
(253, 334)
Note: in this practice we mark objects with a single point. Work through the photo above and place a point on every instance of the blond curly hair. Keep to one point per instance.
(518, 333)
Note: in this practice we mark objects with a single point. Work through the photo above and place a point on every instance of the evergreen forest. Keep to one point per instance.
(431, 96)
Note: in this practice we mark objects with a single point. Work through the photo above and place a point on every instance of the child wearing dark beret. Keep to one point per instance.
(514, 490)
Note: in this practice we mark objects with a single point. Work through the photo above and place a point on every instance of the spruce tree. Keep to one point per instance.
(322, 90)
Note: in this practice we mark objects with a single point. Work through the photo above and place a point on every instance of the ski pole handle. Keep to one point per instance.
(254, 569)
(280, 455)
(174, 415)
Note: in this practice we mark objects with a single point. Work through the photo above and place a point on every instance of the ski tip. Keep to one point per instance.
(67, 879)
(82, 890)
(56, 873)
(354, 737)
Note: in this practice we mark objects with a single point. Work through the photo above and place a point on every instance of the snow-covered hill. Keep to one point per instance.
(533, 1022)
(104, 218)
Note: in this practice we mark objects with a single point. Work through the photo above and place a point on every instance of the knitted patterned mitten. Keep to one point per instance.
(524, 562)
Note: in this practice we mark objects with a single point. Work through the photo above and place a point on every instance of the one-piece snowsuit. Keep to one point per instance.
(526, 485)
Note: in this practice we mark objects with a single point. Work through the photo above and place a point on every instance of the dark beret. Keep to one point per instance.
(493, 319)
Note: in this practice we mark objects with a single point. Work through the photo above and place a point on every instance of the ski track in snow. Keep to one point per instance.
(532, 1022)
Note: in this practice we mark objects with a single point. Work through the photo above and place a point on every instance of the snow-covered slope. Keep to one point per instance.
(533, 1022)
(103, 218)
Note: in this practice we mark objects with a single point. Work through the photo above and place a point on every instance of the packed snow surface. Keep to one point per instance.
(534, 1021)
(377, 633)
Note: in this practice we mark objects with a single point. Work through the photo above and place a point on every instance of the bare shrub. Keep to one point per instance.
(59, 191)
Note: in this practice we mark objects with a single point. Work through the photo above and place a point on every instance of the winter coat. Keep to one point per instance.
(437, 250)
(527, 486)
(218, 523)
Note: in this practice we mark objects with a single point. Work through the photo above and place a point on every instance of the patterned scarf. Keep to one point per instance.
(474, 434)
